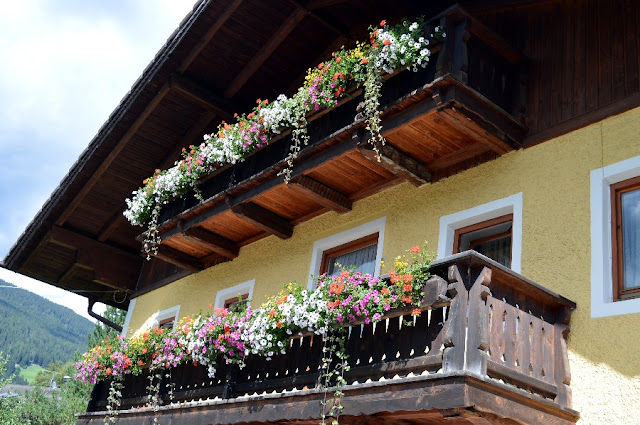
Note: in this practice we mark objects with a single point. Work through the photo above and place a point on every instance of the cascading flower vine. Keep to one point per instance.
(390, 48)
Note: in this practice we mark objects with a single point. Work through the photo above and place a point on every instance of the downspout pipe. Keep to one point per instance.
(100, 318)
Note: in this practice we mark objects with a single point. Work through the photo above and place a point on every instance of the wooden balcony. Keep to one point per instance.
(491, 349)
(465, 108)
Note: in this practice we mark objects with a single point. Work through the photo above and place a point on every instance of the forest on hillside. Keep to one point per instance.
(36, 330)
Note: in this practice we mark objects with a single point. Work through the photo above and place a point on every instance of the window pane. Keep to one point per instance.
(498, 249)
(631, 238)
(364, 259)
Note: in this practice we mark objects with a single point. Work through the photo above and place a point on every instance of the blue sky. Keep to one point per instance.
(66, 64)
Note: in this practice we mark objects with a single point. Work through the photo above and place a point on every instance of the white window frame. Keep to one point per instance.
(127, 318)
(241, 288)
(167, 314)
(509, 205)
(321, 245)
(602, 303)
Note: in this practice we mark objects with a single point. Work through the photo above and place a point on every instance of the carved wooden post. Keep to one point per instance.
(445, 57)
(478, 332)
(460, 54)
(229, 388)
(562, 375)
(454, 334)
(454, 58)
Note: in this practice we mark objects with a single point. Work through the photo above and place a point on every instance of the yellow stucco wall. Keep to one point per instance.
(554, 179)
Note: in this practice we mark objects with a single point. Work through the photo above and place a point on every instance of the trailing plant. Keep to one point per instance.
(222, 335)
(390, 48)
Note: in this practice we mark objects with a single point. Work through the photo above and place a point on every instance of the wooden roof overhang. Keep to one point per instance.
(224, 55)
(435, 124)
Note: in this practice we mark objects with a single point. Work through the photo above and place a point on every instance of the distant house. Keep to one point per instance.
(520, 140)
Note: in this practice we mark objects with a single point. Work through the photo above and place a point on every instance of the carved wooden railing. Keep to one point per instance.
(480, 320)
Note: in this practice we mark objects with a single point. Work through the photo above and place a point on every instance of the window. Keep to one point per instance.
(360, 246)
(494, 229)
(491, 238)
(615, 228)
(236, 296)
(166, 319)
(237, 303)
(167, 323)
(360, 253)
(625, 237)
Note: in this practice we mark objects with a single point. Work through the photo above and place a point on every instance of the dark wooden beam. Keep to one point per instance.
(319, 4)
(112, 266)
(112, 155)
(398, 163)
(178, 258)
(203, 95)
(192, 137)
(218, 244)
(213, 30)
(263, 219)
(263, 54)
(321, 194)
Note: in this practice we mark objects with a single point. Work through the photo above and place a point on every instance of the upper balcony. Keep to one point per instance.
(465, 108)
(489, 348)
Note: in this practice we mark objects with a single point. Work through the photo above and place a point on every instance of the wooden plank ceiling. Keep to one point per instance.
(224, 55)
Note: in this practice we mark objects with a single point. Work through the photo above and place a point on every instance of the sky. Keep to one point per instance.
(64, 67)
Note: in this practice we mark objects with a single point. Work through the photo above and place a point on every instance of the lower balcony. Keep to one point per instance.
(489, 348)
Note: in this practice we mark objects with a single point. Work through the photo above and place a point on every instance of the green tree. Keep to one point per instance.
(101, 331)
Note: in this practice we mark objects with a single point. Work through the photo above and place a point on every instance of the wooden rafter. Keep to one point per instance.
(191, 136)
(179, 258)
(319, 4)
(285, 29)
(204, 95)
(113, 155)
(113, 267)
(264, 219)
(204, 40)
(321, 194)
(221, 246)
(398, 163)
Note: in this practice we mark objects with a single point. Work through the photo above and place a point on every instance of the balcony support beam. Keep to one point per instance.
(321, 194)
(263, 219)
(112, 266)
(179, 258)
(218, 244)
(398, 163)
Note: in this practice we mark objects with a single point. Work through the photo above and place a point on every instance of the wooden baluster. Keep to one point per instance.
(454, 333)
(229, 388)
(525, 342)
(562, 374)
(478, 338)
(496, 346)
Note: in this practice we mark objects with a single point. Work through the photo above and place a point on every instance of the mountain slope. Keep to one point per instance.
(36, 330)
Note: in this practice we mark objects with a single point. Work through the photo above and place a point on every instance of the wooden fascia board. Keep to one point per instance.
(113, 267)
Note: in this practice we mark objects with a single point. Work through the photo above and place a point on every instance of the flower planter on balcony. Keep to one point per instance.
(493, 346)
(464, 108)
